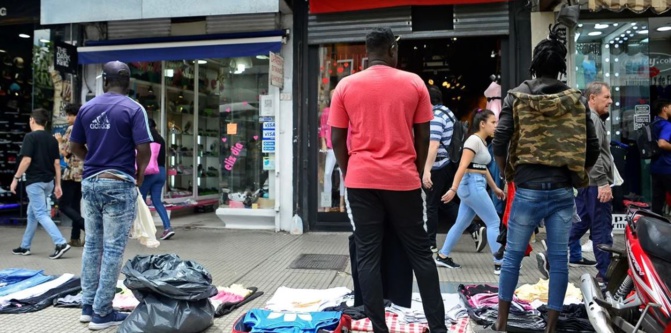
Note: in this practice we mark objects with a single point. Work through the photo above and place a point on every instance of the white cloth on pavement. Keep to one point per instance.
(305, 300)
(454, 309)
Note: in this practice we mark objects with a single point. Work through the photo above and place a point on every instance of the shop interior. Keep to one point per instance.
(634, 57)
(464, 68)
(208, 114)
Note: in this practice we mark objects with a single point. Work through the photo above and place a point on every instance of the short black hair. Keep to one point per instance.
(152, 123)
(71, 109)
(660, 104)
(380, 40)
(435, 94)
(479, 115)
(549, 57)
(40, 116)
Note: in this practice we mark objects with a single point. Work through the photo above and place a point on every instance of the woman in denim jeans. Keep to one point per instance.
(153, 184)
(473, 190)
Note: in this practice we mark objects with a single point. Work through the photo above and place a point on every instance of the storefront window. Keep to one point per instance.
(212, 127)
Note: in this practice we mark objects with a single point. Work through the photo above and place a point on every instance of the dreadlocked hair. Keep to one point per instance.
(549, 58)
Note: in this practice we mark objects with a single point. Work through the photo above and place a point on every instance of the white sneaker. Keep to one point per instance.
(587, 247)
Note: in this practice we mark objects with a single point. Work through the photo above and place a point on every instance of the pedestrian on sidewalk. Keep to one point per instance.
(70, 203)
(470, 183)
(660, 167)
(41, 165)
(388, 112)
(153, 184)
(439, 173)
(594, 203)
(106, 134)
(545, 142)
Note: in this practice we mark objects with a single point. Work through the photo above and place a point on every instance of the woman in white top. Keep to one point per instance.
(470, 183)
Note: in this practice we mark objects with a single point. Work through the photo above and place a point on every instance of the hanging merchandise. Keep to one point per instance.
(173, 293)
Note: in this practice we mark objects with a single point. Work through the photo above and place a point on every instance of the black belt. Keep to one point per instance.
(543, 186)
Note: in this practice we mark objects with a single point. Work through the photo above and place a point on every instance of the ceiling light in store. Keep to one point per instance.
(626, 38)
(595, 33)
(607, 60)
(617, 74)
(580, 25)
(42, 40)
(262, 57)
(577, 68)
(455, 38)
(601, 26)
(645, 41)
(617, 103)
(493, 55)
(628, 31)
(169, 72)
(617, 46)
(414, 48)
(607, 74)
(617, 59)
(615, 24)
(617, 38)
(635, 28)
(631, 35)
(664, 28)
(200, 62)
(3, 51)
(607, 46)
(622, 35)
(617, 88)
(642, 32)
(24, 36)
(633, 23)
(612, 42)
(644, 27)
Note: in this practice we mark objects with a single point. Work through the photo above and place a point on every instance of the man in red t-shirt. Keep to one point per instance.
(387, 112)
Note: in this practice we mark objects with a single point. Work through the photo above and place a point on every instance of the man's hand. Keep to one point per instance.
(12, 187)
(139, 179)
(426, 180)
(605, 194)
(499, 193)
(58, 137)
(58, 192)
(448, 196)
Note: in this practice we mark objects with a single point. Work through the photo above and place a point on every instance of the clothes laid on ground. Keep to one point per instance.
(69, 301)
(355, 312)
(35, 290)
(11, 276)
(305, 300)
(20, 284)
(233, 297)
(393, 323)
(573, 318)
(454, 307)
(539, 292)
(70, 286)
(124, 299)
(260, 320)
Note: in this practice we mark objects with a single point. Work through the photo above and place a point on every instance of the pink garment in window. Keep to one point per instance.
(494, 90)
(324, 128)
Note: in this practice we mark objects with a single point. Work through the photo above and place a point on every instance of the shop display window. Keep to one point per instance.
(209, 115)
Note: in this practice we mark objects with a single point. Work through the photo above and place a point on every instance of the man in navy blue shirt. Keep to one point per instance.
(107, 132)
(660, 167)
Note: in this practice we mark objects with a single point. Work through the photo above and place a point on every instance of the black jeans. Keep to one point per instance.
(372, 212)
(70, 205)
(661, 185)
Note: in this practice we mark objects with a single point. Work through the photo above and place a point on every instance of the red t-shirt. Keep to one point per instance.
(380, 105)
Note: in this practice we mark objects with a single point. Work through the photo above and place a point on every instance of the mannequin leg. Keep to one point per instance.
(329, 164)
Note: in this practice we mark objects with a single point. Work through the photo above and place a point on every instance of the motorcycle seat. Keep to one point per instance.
(654, 235)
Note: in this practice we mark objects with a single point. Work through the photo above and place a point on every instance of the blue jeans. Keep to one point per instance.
(474, 201)
(596, 217)
(153, 184)
(39, 211)
(528, 209)
(109, 209)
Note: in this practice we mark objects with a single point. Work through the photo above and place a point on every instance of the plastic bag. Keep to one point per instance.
(144, 229)
(173, 294)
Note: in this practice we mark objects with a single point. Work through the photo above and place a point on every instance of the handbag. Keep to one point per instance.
(144, 229)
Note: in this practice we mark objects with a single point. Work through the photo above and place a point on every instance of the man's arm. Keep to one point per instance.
(339, 141)
(23, 166)
(57, 180)
(504, 133)
(143, 155)
(422, 133)
(592, 152)
(431, 155)
(78, 150)
(664, 145)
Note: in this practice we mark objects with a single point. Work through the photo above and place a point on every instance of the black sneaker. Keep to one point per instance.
(114, 318)
(543, 266)
(481, 242)
(582, 262)
(59, 251)
(21, 251)
(446, 262)
(497, 269)
(167, 234)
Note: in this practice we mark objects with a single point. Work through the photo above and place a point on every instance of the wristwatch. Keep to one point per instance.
(17, 178)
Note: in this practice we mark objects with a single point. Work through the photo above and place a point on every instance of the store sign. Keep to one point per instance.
(16, 11)
(269, 162)
(268, 137)
(268, 146)
(276, 70)
(659, 63)
(266, 106)
(641, 115)
(65, 58)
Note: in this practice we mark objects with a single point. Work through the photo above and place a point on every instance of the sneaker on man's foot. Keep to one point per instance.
(587, 247)
(87, 314)
(582, 262)
(497, 269)
(167, 233)
(543, 266)
(59, 251)
(446, 262)
(21, 251)
(481, 242)
(114, 318)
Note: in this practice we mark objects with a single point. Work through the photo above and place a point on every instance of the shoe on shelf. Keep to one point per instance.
(481, 242)
(582, 262)
(543, 265)
(21, 251)
(59, 251)
(114, 318)
(87, 314)
(446, 262)
(587, 247)
(497, 269)
(76, 243)
(167, 234)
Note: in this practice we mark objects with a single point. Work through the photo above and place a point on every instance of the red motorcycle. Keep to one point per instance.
(638, 295)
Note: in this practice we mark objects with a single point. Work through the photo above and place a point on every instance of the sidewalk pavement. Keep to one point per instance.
(251, 258)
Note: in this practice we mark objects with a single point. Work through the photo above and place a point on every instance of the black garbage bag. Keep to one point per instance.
(173, 293)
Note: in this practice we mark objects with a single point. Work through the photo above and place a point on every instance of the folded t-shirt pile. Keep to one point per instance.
(528, 311)
(230, 298)
(25, 290)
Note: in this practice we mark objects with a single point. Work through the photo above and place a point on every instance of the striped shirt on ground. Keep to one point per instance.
(442, 128)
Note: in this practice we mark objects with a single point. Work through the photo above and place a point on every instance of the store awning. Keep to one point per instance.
(331, 6)
(193, 47)
(637, 6)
